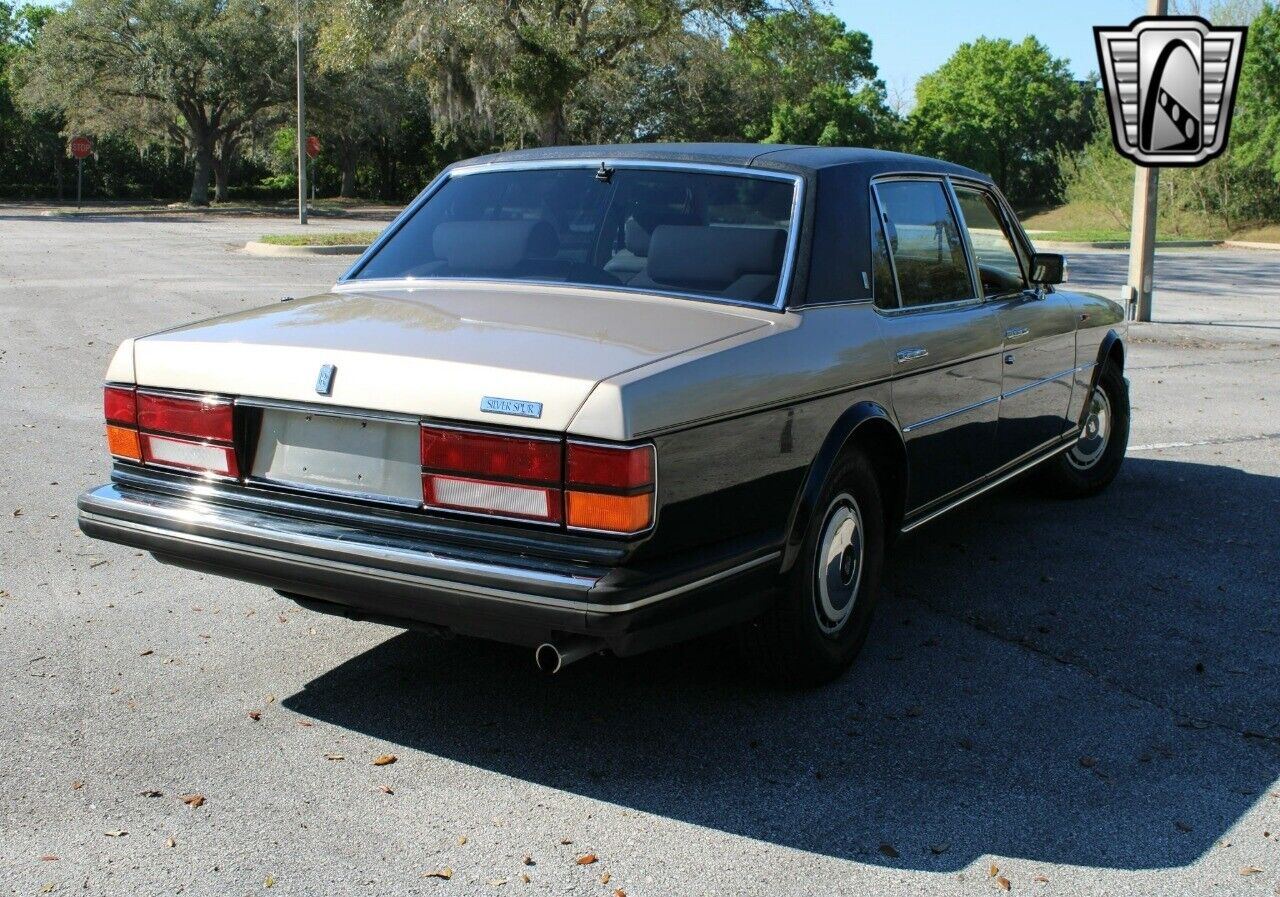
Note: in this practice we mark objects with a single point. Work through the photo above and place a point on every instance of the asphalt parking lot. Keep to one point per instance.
(1057, 697)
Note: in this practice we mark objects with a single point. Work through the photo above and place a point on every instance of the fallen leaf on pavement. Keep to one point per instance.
(255, 715)
(385, 789)
(334, 757)
(146, 652)
(937, 849)
(1042, 879)
(1182, 826)
(524, 877)
(150, 792)
(497, 882)
(527, 860)
(50, 857)
(993, 871)
(171, 841)
(462, 839)
(1249, 870)
(618, 892)
(1087, 762)
(193, 800)
(446, 873)
(116, 833)
(586, 859)
(384, 760)
(890, 851)
(269, 881)
(76, 786)
(566, 840)
(1003, 883)
(604, 878)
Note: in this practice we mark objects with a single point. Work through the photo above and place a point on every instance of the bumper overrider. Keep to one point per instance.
(341, 558)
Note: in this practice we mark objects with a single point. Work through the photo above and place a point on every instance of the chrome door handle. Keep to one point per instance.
(1016, 332)
(911, 354)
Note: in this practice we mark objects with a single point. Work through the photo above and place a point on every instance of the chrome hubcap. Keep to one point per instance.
(839, 560)
(1095, 435)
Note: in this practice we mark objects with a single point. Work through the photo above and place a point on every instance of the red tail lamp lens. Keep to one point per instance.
(199, 418)
(612, 468)
(486, 455)
(120, 405)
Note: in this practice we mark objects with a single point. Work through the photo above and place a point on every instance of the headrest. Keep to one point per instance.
(492, 245)
(639, 226)
(714, 256)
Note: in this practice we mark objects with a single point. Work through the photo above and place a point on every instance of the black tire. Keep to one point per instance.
(811, 634)
(1086, 468)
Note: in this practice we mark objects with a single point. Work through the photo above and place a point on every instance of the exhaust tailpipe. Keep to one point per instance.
(551, 658)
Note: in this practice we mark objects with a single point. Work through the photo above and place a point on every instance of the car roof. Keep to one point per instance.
(784, 157)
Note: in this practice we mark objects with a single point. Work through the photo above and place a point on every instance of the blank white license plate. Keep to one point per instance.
(347, 455)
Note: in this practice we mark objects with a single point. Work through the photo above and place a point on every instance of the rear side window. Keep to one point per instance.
(924, 238)
(883, 292)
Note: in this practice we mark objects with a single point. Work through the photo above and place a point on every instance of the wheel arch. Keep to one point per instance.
(870, 427)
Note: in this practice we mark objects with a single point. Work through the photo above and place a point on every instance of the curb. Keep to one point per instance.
(1249, 244)
(1124, 244)
(254, 247)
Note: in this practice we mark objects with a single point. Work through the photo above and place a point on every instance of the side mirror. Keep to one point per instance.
(1048, 268)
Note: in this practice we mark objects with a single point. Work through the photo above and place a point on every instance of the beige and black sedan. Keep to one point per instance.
(609, 398)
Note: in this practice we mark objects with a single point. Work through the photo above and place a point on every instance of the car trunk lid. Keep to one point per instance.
(514, 355)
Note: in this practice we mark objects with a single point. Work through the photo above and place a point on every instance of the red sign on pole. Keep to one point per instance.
(81, 147)
(313, 146)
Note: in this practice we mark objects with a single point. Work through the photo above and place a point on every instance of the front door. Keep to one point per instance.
(945, 340)
(1038, 330)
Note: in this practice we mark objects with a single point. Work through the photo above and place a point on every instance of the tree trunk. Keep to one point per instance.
(221, 177)
(348, 176)
(204, 167)
(552, 131)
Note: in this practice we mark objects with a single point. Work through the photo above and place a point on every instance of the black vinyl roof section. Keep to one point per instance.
(780, 157)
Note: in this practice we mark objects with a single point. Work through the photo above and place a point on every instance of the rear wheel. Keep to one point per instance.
(819, 622)
(1095, 458)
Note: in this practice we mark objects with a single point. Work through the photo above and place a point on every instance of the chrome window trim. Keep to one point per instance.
(970, 257)
(941, 180)
(785, 275)
(877, 223)
(938, 418)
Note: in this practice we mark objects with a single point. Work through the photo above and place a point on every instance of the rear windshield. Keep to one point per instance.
(670, 231)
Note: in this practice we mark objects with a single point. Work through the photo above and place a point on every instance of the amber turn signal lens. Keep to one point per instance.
(614, 513)
(123, 443)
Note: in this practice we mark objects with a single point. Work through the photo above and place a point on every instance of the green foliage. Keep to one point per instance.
(811, 80)
(1005, 109)
(192, 73)
(1255, 132)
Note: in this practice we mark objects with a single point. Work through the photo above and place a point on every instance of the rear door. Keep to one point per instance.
(1038, 328)
(945, 337)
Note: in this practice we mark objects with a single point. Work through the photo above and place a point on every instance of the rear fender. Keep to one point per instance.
(842, 433)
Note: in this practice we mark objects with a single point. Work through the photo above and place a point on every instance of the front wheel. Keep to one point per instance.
(1093, 461)
(820, 620)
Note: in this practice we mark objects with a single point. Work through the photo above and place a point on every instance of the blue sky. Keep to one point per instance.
(913, 37)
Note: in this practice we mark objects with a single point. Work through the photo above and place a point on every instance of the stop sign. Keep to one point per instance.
(313, 146)
(81, 147)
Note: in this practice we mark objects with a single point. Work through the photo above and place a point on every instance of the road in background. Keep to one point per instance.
(1084, 696)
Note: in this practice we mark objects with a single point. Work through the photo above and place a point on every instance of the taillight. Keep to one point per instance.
(195, 434)
(609, 489)
(485, 473)
(120, 407)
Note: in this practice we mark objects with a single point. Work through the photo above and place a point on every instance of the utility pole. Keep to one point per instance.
(302, 119)
(1142, 240)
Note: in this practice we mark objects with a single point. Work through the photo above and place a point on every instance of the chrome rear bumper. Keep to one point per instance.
(367, 571)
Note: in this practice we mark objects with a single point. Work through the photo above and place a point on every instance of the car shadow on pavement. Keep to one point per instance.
(1092, 682)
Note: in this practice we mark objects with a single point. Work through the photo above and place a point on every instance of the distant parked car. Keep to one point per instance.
(615, 397)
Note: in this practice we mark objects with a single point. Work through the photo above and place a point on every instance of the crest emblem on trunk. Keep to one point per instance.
(1171, 86)
(324, 382)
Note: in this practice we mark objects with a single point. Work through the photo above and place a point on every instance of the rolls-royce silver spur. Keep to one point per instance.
(609, 398)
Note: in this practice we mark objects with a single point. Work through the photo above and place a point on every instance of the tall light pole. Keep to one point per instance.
(1142, 240)
(302, 119)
